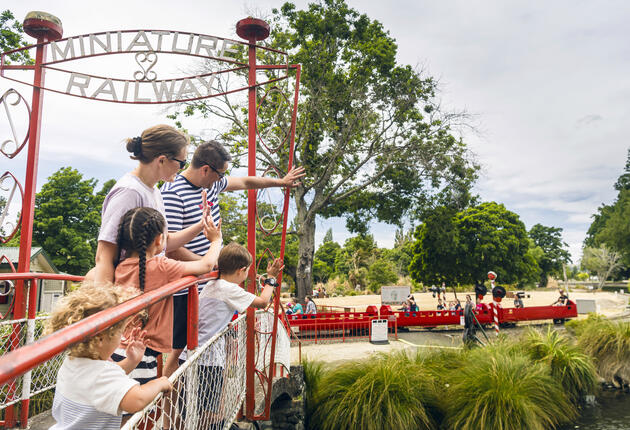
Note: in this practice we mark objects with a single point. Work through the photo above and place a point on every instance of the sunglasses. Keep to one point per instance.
(182, 163)
(221, 175)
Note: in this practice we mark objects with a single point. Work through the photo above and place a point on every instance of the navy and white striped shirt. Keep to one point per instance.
(183, 207)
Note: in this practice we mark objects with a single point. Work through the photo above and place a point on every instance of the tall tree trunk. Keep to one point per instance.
(306, 251)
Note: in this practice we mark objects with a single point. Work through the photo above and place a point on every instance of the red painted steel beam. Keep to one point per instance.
(33, 275)
(21, 360)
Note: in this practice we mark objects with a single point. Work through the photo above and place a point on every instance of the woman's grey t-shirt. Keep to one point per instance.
(128, 193)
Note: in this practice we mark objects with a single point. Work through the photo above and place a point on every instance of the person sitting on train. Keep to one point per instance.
(310, 305)
(440, 306)
(458, 305)
(518, 301)
(413, 307)
(405, 306)
(297, 308)
(563, 300)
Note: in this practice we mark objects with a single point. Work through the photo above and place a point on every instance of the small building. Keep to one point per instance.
(48, 291)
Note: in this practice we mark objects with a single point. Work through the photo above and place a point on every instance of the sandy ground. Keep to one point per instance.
(612, 305)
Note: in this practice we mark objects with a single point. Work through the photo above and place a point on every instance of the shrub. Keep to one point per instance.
(608, 343)
(389, 392)
(313, 372)
(498, 388)
(573, 369)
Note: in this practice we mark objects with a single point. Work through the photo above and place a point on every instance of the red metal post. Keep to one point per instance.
(28, 203)
(192, 341)
(250, 400)
(252, 30)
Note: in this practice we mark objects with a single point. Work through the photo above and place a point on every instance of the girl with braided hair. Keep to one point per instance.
(141, 236)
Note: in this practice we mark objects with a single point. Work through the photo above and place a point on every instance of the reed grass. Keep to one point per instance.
(387, 392)
(608, 343)
(573, 369)
(500, 388)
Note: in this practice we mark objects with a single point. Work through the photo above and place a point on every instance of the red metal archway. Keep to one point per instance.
(51, 50)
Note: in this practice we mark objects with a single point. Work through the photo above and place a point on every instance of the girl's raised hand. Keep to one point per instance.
(212, 231)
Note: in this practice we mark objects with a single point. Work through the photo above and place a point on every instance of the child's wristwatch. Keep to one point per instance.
(271, 281)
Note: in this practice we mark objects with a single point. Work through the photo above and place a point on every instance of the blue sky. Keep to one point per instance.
(546, 82)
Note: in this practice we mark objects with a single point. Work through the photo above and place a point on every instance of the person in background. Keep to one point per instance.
(310, 306)
(458, 305)
(443, 291)
(518, 301)
(563, 300)
(297, 308)
(413, 307)
(440, 306)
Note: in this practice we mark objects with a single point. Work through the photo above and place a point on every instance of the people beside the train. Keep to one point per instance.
(311, 309)
(443, 291)
(434, 290)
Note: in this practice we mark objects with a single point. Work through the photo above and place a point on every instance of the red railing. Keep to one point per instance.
(21, 360)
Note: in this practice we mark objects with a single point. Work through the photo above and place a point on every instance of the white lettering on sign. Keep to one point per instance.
(73, 82)
(69, 49)
(107, 47)
(107, 87)
(152, 40)
(168, 90)
(144, 44)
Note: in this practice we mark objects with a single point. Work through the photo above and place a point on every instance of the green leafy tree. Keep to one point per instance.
(12, 37)
(602, 261)
(369, 131)
(324, 261)
(464, 246)
(381, 272)
(67, 219)
(436, 249)
(328, 237)
(555, 252)
(492, 238)
(611, 223)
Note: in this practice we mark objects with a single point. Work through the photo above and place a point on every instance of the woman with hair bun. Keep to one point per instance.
(161, 152)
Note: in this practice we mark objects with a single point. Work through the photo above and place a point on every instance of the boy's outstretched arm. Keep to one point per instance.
(141, 395)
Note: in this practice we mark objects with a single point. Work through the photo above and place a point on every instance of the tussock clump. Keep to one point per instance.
(388, 392)
(501, 389)
(573, 369)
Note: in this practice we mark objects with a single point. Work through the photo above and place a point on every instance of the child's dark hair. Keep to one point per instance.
(138, 229)
(233, 257)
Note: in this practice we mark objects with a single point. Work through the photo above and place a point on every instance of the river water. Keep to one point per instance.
(611, 412)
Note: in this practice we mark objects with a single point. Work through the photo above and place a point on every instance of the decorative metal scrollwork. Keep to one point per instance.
(275, 96)
(146, 74)
(12, 146)
(9, 228)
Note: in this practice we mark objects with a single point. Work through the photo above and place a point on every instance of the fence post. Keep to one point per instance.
(192, 342)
